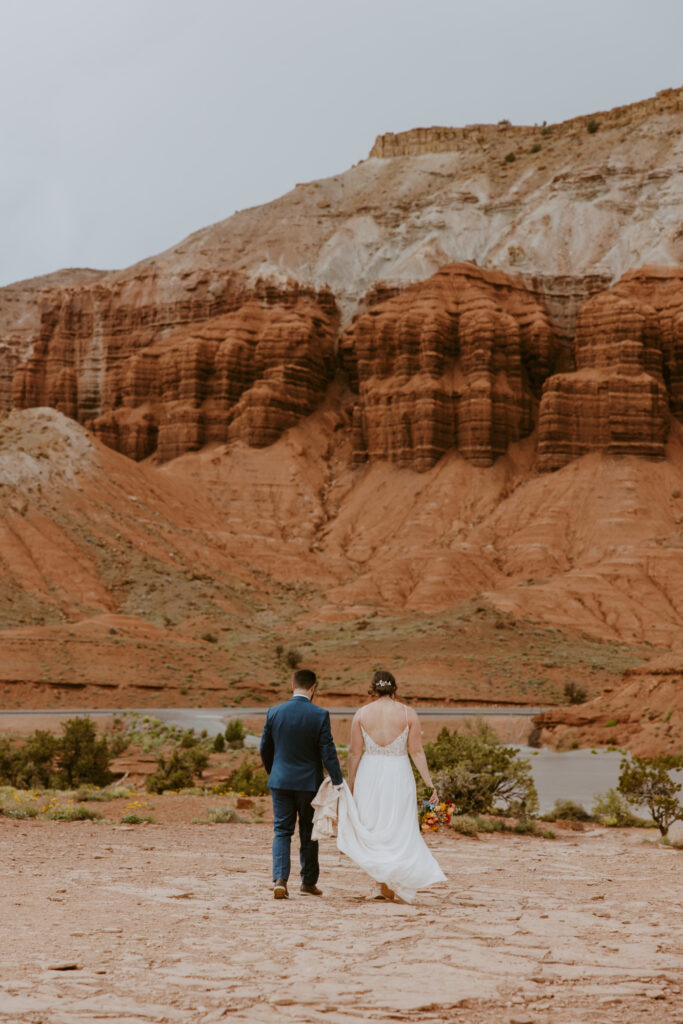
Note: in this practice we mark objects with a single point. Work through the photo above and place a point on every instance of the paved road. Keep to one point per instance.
(214, 719)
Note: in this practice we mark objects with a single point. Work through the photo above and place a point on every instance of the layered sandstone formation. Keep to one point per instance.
(150, 376)
(455, 362)
(628, 381)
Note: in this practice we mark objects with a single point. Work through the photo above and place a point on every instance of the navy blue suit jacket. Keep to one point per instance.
(296, 743)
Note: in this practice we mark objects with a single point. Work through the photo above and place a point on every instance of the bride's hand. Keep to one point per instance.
(434, 798)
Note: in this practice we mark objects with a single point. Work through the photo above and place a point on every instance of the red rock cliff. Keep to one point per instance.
(628, 351)
(454, 362)
(165, 374)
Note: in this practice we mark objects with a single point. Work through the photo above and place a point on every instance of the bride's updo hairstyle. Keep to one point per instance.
(383, 684)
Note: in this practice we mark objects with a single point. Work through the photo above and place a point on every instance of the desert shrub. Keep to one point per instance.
(474, 771)
(510, 158)
(219, 743)
(648, 782)
(235, 733)
(293, 658)
(248, 779)
(72, 812)
(82, 756)
(199, 760)
(20, 811)
(44, 760)
(222, 815)
(592, 126)
(87, 793)
(173, 772)
(465, 824)
(529, 827)
(31, 764)
(536, 148)
(188, 739)
(490, 824)
(612, 809)
(118, 743)
(209, 638)
(567, 810)
(575, 694)
(504, 122)
(137, 819)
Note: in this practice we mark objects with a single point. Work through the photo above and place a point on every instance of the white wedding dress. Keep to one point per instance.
(377, 826)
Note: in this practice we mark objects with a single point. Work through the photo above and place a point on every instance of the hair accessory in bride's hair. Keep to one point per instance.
(383, 683)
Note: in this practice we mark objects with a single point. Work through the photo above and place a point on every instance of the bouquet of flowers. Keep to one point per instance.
(433, 816)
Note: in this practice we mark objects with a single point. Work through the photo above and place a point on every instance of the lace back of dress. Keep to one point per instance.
(397, 747)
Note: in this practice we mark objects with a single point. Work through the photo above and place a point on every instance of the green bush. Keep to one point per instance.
(474, 771)
(612, 809)
(510, 158)
(188, 739)
(209, 638)
(82, 756)
(235, 733)
(174, 772)
(248, 779)
(567, 810)
(219, 743)
(30, 765)
(592, 126)
(137, 819)
(199, 760)
(46, 761)
(649, 782)
(536, 148)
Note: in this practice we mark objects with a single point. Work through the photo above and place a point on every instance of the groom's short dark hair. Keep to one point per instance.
(304, 679)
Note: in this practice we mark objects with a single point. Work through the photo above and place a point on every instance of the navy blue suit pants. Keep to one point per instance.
(288, 804)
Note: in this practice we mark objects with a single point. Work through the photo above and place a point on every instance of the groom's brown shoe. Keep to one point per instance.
(280, 889)
(310, 890)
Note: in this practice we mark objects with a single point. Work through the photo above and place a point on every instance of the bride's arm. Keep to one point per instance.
(417, 753)
(355, 749)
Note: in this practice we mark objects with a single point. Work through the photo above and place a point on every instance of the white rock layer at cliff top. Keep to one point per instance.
(583, 203)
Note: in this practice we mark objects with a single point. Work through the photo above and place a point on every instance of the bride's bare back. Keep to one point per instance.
(384, 720)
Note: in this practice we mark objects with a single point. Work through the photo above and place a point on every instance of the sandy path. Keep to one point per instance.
(176, 923)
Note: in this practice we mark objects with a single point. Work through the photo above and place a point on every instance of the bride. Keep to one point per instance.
(378, 826)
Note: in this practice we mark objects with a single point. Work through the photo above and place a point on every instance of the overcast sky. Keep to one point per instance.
(127, 124)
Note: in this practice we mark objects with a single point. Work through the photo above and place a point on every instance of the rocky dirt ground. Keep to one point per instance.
(175, 923)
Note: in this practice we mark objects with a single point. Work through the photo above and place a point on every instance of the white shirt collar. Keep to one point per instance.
(304, 695)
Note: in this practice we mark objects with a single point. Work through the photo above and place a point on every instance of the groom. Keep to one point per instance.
(296, 743)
